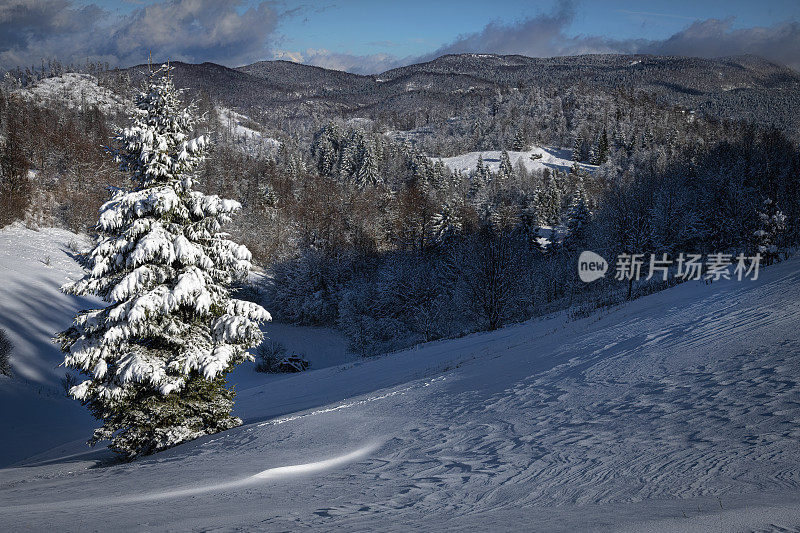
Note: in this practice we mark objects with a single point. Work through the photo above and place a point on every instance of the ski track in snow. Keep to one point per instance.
(677, 412)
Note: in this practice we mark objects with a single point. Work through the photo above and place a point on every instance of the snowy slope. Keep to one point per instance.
(34, 412)
(552, 158)
(80, 90)
(76, 90)
(33, 405)
(32, 309)
(677, 412)
(240, 134)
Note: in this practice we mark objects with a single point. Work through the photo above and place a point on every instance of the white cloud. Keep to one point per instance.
(545, 36)
(360, 64)
(714, 38)
(230, 33)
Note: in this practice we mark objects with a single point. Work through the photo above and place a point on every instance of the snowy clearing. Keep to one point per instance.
(676, 412)
(552, 158)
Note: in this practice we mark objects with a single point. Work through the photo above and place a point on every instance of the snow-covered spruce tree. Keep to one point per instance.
(156, 358)
(577, 148)
(368, 173)
(772, 225)
(447, 222)
(548, 200)
(506, 170)
(601, 155)
(578, 218)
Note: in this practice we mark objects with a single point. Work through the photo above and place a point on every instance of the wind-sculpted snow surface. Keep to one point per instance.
(679, 411)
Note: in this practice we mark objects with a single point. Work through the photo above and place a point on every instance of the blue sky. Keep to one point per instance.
(415, 27)
(373, 35)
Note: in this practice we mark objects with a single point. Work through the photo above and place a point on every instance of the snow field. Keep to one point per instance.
(678, 411)
(552, 158)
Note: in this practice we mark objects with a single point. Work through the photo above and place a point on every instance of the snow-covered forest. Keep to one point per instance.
(418, 256)
(384, 234)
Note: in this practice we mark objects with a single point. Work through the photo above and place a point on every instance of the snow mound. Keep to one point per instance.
(76, 91)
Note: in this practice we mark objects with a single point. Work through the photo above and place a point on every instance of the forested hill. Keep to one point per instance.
(742, 87)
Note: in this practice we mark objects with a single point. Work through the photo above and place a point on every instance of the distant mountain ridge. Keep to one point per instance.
(744, 87)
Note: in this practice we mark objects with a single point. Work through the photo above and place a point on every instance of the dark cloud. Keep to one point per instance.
(186, 30)
(537, 36)
(33, 29)
(540, 36)
(22, 22)
(195, 30)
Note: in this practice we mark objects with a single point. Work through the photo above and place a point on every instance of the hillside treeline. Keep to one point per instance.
(369, 232)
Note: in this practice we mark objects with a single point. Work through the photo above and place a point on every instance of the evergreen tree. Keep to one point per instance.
(368, 173)
(447, 222)
(578, 218)
(601, 154)
(349, 163)
(480, 169)
(155, 359)
(506, 170)
(476, 183)
(326, 156)
(772, 223)
(423, 173)
(519, 141)
(439, 173)
(485, 172)
(577, 148)
(548, 200)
